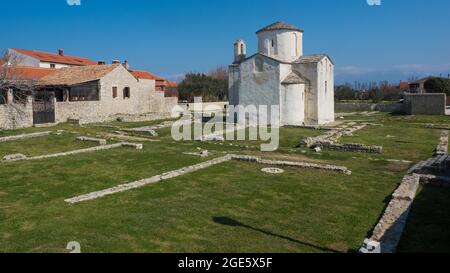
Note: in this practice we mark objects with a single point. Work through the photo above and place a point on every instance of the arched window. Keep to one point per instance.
(326, 87)
(259, 65)
(294, 45)
(126, 93)
(242, 49)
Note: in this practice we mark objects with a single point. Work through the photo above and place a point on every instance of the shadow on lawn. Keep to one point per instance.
(233, 223)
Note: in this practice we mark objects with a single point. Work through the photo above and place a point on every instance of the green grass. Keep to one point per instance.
(43, 145)
(232, 207)
(428, 225)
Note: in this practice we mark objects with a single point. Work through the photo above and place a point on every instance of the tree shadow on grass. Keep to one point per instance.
(233, 223)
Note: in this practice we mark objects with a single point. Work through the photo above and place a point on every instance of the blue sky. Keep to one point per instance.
(394, 41)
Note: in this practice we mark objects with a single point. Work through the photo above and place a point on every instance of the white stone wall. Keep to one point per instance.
(259, 88)
(233, 84)
(287, 45)
(325, 91)
(292, 104)
(311, 99)
(48, 65)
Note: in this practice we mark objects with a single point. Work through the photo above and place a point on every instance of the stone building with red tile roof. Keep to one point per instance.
(43, 59)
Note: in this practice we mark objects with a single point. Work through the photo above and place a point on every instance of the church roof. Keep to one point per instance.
(311, 58)
(295, 77)
(279, 26)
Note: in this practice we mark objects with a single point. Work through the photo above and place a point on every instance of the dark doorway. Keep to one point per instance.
(43, 108)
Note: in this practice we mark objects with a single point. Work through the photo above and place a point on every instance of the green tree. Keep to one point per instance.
(438, 85)
(211, 87)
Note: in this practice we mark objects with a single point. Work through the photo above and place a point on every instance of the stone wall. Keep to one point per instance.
(425, 104)
(144, 103)
(381, 107)
(141, 94)
(442, 147)
(329, 140)
(16, 115)
(350, 147)
(24, 136)
(206, 106)
(387, 233)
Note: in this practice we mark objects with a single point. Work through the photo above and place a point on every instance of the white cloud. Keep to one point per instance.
(406, 69)
(175, 77)
(391, 73)
(73, 2)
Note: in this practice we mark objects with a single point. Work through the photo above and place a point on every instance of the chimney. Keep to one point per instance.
(61, 52)
(126, 65)
(115, 62)
(101, 62)
(240, 50)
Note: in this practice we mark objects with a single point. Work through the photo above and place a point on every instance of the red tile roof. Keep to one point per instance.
(404, 84)
(79, 74)
(55, 58)
(26, 72)
(170, 83)
(141, 74)
(160, 84)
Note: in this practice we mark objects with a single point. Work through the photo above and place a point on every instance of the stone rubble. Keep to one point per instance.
(14, 157)
(272, 170)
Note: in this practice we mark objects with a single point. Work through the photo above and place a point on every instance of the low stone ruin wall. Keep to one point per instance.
(442, 147)
(99, 141)
(24, 136)
(387, 233)
(12, 158)
(328, 140)
(120, 117)
(381, 107)
(196, 167)
(147, 181)
(302, 165)
(350, 147)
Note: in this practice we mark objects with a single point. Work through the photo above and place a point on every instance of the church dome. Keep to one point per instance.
(280, 26)
(281, 41)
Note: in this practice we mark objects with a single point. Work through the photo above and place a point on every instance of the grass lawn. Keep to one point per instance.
(428, 225)
(217, 209)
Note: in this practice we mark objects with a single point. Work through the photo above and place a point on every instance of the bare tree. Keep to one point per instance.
(220, 73)
(13, 81)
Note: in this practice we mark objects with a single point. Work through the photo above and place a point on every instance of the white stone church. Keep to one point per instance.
(279, 74)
